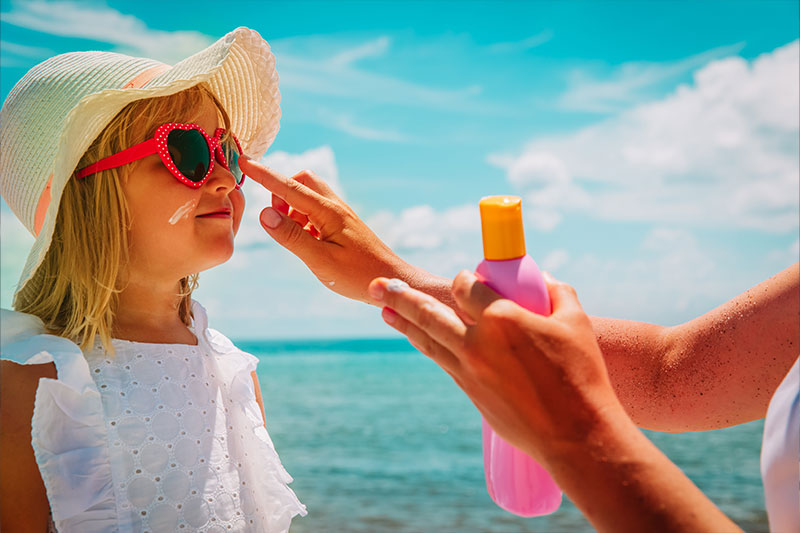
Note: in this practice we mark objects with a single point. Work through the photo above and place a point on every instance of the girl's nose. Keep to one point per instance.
(221, 179)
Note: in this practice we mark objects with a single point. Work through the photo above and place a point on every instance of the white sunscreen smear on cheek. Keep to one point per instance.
(182, 212)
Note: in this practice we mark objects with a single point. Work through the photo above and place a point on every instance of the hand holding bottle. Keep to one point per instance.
(539, 381)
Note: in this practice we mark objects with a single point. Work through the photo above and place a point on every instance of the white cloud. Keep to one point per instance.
(320, 160)
(521, 46)
(346, 123)
(631, 83)
(672, 278)
(24, 50)
(554, 261)
(375, 48)
(101, 23)
(327, 65)
(721, 152)
(441, 242)
(780, 258)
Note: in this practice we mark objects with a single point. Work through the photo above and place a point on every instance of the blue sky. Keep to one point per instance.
(655, 144)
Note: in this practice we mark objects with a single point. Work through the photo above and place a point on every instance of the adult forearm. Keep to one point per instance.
(622, 482)
(715, 371)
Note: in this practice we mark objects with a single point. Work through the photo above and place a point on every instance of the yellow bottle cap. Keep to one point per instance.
(501, 225)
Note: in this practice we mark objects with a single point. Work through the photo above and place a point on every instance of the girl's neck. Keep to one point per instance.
(148, 312)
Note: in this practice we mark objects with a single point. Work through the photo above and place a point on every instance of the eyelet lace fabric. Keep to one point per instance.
(182, 445)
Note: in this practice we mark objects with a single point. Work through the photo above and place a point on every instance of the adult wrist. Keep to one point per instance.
(603, 435)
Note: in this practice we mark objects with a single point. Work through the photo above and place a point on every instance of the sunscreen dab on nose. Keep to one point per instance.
(183, 212)
(515, 482)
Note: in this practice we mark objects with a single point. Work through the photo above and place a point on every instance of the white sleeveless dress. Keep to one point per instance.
(157, 438)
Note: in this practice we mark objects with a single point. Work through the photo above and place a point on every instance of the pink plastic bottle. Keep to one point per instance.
(516, 482)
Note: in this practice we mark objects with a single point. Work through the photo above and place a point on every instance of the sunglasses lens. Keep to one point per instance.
(232, 157)
(189, 152)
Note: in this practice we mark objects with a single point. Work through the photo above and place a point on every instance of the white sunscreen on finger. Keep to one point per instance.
(396, 285)
(182, 212)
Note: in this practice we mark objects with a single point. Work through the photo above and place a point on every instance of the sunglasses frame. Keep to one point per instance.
(158, 145)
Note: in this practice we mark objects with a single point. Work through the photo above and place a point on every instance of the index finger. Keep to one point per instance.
(292, 191)
(430, 315)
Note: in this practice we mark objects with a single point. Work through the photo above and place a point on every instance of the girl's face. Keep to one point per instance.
(177, 230)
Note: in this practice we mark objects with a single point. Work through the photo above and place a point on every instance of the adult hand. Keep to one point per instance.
(540, 382)
(311, 221)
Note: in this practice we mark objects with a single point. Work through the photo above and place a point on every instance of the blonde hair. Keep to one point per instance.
(75, 289)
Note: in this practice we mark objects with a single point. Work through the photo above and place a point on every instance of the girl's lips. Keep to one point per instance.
(222, 213)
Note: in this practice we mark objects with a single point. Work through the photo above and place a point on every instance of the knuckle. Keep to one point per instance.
(426, 315)
(500, 312)
(337, 210)
(304, 174)
(461, 288)
(294, 184)
(570, 289)
(293, 235)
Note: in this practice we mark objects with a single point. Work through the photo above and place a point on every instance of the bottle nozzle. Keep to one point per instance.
(501, 225)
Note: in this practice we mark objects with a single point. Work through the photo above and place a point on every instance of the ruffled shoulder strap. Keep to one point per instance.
(23, 339)
(266, 477)
(199, 318)
(68, 431)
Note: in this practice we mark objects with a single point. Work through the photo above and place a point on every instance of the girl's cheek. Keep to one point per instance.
(237, 199)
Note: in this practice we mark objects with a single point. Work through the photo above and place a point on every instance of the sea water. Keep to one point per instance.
(378, 438)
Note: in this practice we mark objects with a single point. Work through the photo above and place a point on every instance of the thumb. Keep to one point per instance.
(287, 233)
(563, 297)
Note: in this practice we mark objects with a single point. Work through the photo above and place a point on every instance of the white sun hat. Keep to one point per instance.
(55, 112)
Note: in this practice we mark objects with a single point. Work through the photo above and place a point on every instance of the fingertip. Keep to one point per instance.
(270, 218)
(377, 288)
(389, 315)
(245, 160)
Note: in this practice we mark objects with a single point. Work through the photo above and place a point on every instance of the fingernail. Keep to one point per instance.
(396, 285)
(376, 291)
(270, 218)
(548, 277)
(389, 315)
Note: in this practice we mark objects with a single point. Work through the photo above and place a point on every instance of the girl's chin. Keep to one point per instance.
(215, 258)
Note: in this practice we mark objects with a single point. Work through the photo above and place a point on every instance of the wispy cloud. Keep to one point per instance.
(344, 122)
(101, 23)
(721, 152)
(325, 77)
(521, 46)
(23, 50)
(631, 83)
(375, 48)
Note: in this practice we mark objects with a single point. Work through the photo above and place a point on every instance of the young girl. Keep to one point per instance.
(121, 409)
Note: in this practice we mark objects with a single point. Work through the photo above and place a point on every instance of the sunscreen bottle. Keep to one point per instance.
(515, 482)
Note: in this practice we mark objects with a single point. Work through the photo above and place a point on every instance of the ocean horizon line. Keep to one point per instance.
(326, 344)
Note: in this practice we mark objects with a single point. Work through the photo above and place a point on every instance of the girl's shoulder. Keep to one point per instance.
(21, 482)
(18, 384)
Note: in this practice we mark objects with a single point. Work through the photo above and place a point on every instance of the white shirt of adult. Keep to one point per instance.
(780, 455)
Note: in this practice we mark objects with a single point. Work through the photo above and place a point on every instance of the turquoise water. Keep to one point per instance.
(378, 438)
